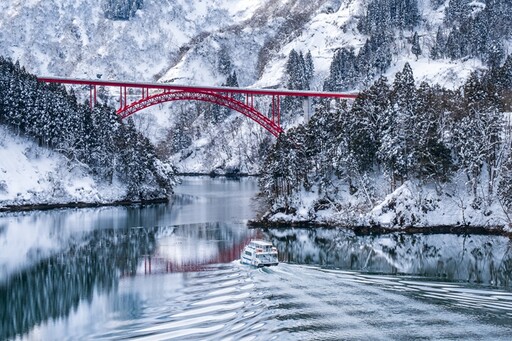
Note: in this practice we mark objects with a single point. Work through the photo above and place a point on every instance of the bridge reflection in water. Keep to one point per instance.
(93, 263)
(188, 254)
(97, 263)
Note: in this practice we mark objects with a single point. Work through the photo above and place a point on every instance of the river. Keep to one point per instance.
(170, 271)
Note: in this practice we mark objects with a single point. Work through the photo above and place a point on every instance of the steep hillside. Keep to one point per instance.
(55, 150)
(352, 43)
(35, 175)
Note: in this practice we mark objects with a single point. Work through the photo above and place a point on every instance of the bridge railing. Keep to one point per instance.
(225, 96)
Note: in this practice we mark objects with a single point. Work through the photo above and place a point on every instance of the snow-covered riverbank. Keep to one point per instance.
(410, 207)
(36, 177)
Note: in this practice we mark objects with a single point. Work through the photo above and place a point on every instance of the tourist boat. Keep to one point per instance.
(259, 253)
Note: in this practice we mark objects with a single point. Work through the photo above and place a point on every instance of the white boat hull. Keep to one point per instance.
(259, 254)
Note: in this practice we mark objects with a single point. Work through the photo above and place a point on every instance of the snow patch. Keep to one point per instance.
(31, 175)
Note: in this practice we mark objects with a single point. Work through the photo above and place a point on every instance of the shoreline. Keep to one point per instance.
(380, 230)
(78, 204)
(84, 204)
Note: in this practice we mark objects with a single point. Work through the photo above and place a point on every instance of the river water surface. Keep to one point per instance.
(170, 271)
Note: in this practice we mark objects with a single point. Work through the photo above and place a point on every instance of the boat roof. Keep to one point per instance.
(261, 243)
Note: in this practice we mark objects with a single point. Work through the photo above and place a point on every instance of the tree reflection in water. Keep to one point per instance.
(54, 286)
(93, 262)
(471, 258)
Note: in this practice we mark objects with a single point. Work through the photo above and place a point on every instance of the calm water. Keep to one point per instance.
(170, 272)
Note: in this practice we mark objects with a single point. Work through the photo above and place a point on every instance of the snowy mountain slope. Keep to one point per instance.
(33, 175)
(180, 41)
(76, 40)
(202, 42)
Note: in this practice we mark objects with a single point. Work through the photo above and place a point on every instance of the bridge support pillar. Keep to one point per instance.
(307, 106)
(276, 110)
(92, 96)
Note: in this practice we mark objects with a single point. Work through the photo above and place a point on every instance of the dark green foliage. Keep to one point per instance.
(437, 3)
(397, 144)
(457, 11)
(224, 63)
(438, 50)
(94, 138)
(505, 184)
(299, 71)
(389, 15)
(121, 9)
(501, 79)
(476, 29)
(343, 72)
(295, 71)
(478, 132)
(416, 48)
(367, 122)
(348, 70)
(431, 155)
(231, 81)
(309, 67)
(374, 58)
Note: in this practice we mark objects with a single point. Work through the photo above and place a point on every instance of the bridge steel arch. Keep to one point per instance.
(156, 93)
(228, 101)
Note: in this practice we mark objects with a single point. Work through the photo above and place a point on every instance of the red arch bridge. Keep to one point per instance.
(238, 99)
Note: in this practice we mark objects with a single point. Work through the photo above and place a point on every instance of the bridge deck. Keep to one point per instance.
(168, 86)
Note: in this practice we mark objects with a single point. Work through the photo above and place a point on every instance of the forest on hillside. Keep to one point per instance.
(394, 132)
(97, 140)
(399, 132)
(351, 156)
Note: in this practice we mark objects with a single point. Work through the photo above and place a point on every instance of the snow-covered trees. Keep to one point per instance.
(397, 143)
(389, 15)
(416, 48)
(94, 138)
(343, 72)
(478, 135)
(299, 72)
(349, 70)
(475, 29)
(121, 9)
(424, 133)
(367, 122)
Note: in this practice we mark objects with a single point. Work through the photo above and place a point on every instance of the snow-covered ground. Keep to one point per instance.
(31, 175)
(410, 205)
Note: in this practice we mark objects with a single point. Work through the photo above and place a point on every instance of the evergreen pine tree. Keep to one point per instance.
(398, 141)
(416, 48)
(457, 11)
(367, 122)
(121, 9)
(342, 72)
(438, 50)
(309, 68)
